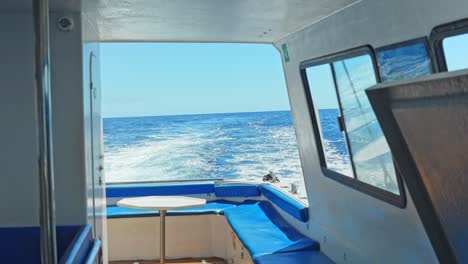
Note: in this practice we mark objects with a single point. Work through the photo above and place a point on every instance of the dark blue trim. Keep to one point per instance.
(288, 204)
(135, 190)
(237, 190)
(22, 244)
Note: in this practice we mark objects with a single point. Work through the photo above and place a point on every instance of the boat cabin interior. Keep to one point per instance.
(397, 73)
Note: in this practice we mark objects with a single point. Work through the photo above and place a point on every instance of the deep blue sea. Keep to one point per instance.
(231, 146)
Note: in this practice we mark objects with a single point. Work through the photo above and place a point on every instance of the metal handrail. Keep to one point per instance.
(44, 131)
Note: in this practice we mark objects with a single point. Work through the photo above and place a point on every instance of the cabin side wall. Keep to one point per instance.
(19, 189)
(351, 226)
(67, 107)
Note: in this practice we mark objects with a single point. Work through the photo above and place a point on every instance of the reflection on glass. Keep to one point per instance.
(404, 62)
(322, 89)
(369, 149)
(456, 52)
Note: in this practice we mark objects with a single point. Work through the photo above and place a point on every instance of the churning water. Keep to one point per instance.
(232, 146)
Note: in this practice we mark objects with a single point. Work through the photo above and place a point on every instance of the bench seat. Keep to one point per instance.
(213, 207)
(265, 234)
(263, 231)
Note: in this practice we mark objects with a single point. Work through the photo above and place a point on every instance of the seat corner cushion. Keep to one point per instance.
(263, 231)
(286, 203)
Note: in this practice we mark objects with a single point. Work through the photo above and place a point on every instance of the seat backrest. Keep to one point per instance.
(135, 190)
(285, 202)
(237, 190)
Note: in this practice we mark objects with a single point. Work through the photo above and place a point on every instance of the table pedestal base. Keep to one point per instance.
(162, 250)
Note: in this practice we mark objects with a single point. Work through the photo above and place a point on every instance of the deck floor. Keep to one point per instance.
(179, 261)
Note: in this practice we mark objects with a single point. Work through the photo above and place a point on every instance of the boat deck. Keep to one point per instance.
(179, 261)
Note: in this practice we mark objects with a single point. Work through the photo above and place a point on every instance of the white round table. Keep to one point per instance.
(161, 203)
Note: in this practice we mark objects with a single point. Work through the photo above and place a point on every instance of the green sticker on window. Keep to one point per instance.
(285, 52)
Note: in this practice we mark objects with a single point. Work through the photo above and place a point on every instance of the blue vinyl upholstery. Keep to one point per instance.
(298, 257)
(286, 203)
(263, 231)
(237, 190)
(214, 207)
(22, 244)
(135, 190)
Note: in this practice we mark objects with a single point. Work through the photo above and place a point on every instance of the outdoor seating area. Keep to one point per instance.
(253, 217)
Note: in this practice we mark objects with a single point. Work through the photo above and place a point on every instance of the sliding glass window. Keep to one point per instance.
(346, 125)
(333, 141)
(405, 60)
(456, 52)
(450, 42)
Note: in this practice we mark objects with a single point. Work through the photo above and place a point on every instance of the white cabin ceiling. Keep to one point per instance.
(262, 21)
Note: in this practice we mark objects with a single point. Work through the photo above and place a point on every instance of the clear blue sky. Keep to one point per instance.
(456, 52)
(147, 79)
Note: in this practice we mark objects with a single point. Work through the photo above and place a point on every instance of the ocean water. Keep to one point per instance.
(234, 146)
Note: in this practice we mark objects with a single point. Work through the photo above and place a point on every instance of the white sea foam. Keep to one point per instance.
(170, 159)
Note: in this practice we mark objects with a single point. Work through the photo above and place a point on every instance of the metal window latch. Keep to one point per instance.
(341, 124)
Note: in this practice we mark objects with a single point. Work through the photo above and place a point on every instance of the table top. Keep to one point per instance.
(161, 202)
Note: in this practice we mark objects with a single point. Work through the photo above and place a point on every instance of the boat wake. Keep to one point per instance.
(242, 146)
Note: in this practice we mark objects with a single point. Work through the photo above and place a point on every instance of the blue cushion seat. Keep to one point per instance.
(263, 231)
(298, 257)
(286, 203)
(212, 207)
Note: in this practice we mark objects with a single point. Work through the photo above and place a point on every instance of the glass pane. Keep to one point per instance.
(322, 89)
(369, 149)
(404, 62)
(456, 52)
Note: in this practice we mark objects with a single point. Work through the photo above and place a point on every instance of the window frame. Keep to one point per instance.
(352, 182)
(424, 40)
(441, 32)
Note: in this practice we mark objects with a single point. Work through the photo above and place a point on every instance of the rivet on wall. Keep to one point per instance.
(65, 24)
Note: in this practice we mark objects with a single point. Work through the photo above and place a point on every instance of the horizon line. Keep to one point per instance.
(190, 114)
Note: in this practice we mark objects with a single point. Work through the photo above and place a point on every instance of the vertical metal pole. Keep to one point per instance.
(44, 131)
(162, 251)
